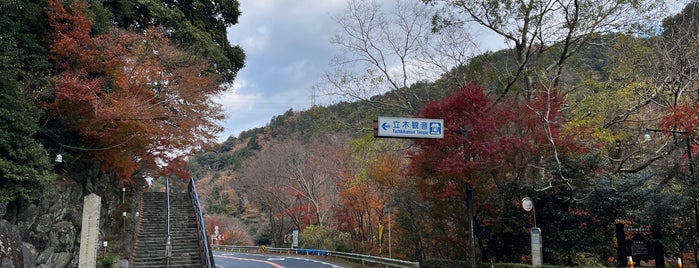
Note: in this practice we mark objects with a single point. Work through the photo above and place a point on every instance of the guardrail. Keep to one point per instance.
(208, 255)
(359, 258)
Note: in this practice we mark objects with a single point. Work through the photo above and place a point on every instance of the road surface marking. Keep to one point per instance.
(244, 259)
(317, 261)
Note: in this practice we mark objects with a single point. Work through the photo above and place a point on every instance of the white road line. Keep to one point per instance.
(316, 261)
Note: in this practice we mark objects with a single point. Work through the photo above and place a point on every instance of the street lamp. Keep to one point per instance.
(389, 210)
(528, 205)
(59, 156)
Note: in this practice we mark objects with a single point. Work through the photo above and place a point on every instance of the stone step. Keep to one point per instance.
(149, 247)
(160, 251)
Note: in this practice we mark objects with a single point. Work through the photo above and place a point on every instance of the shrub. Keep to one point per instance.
(321, 237)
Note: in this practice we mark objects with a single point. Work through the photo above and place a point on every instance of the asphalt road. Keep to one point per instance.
(251, 260)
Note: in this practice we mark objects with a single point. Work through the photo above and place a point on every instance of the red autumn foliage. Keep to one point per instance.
(682, 118)
(233, 230)
(487, 145)
(493, 147)
(137, 101)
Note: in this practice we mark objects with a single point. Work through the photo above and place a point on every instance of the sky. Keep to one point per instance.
(287, 47)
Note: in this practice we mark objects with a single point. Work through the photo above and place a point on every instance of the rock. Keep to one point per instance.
(62, 236)
(44, 255)
(26, 218)
(59, 259)
(43, 225)
(30, 254)
(51, 258)
(10, 246)
(7, 263)
(45, 233)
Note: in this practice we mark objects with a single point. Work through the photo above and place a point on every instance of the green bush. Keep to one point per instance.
(108, 261)
(322, 237)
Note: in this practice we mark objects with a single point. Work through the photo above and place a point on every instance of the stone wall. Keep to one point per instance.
(46, 232)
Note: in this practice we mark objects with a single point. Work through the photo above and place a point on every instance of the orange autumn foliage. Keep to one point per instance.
(137, 101)
(364, 199)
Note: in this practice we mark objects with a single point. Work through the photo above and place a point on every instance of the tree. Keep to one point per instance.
(299, 176)
(200, 26)
(368, 183)
(218, 195)
(25, 169)
(534, 28)
(135, 100)
(24, 164)
(386, 53)
(498, 149)
(234, 232)
(295, 182)
(655, 76)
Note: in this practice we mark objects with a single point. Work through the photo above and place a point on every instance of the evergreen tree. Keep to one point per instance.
(25, 168)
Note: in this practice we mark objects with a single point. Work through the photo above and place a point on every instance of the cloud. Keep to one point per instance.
(232, 101)
(298, 69)
(257, 42)
(287, 44)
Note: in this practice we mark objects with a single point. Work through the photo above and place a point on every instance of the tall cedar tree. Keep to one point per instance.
(24, 164)
(135, 99)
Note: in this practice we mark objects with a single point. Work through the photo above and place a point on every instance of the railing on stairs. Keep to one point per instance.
(137, 228)
(207, 254)
(168, 243)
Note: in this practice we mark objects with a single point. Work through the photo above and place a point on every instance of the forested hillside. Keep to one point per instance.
(592, 112)
(594, 119)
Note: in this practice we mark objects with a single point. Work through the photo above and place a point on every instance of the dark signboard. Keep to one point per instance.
(641, 243)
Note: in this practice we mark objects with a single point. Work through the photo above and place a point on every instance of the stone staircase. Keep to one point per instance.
(150, 247)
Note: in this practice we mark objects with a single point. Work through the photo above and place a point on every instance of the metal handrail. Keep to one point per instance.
(168, 243)
(137, 228)
(208, 254)
(364, 259)
(167, 194)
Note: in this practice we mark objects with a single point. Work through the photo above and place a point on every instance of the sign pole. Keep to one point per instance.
(535, 233)
(389, 210)
(215, 234)
(472, 239)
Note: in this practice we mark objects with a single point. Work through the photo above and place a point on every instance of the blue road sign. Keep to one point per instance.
(419, 128)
